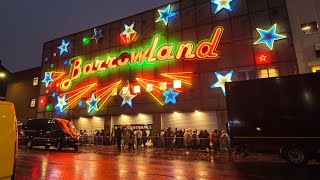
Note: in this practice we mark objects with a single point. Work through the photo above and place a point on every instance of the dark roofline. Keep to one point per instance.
(31, 69)
(110, 22)
(2, 68)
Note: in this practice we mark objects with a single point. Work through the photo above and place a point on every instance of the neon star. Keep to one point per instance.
(47, 78)
(268, 37)
(263, 58)
(165, 15)
(61, 103)
(97, 34)
(170, 96)
(128, 30)
(222, 4)
(93, 103)
(63, 47)
(126, 34)
(127, 99)
(222, 80)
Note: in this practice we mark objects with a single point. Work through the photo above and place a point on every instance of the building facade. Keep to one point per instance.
(23, 91)
(304, 19)
(165, 67)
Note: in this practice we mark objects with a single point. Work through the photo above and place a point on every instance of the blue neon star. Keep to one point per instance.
(97, 34)
(64, 47)
(61, 103)
(222, 4)
(47, 78)
(170, 96)
(127, 99)
(165, 15)
(268, 37)
(93, 103)
(222, 80)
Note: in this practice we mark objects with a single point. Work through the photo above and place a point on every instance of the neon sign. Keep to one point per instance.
(165, 15)
(222, 79)
(206, 49)
(129, 34)
(222, 4)
(268, 37)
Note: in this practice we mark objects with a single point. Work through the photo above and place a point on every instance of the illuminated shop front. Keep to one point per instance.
(165, 67)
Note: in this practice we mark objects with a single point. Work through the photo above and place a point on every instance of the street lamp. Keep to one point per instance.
(2, 75)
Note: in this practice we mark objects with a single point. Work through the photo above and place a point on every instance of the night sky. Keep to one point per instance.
(26, 25)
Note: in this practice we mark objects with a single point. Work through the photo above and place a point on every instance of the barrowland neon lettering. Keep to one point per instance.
(206, 49)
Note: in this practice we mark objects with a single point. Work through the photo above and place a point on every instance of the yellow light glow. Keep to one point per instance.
(315, 69)
(2, 75)
(196, 111)
(149, 87)
(176, 84)
(125, 90)
(115, 92)
(136, 89)
(143, 85)
(163, 86)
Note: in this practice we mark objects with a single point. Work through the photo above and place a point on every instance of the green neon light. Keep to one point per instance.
(49, 108)
(86, 40)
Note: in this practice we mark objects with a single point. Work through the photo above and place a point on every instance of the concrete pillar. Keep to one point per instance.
(156, 126)
(107, 123)
(222, 118)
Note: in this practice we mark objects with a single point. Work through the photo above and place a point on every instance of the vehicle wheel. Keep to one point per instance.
(297, 156)
(59, 146)
(317, 157)
(76, 148)
(47, 147)
(29, 144)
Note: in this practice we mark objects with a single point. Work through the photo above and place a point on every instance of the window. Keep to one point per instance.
(315, 69)
(246, 75)
(268, 72)
(309, 28)
(35, 81)
(33, 103)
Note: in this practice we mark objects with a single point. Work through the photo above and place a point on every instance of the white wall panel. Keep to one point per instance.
(131, 119)
(89, 123)
(194, 120)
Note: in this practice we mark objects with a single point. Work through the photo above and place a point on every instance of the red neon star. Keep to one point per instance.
(263, 58)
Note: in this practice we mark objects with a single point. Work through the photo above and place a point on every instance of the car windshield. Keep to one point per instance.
(67, 127)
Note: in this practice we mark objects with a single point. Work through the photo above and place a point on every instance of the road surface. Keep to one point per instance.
(106, 163)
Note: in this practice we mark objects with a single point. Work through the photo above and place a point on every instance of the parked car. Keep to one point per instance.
(8, 140)
(51, 132)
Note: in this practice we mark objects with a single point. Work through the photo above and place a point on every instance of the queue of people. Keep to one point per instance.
(166, 138)
(96, 137)
(173, 139)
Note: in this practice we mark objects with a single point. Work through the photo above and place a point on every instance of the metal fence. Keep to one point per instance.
(159, 142)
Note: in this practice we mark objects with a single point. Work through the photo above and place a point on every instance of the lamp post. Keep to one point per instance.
(2, 75)
(2, 86)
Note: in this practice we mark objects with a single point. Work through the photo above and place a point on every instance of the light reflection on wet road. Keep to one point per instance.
(42, 164)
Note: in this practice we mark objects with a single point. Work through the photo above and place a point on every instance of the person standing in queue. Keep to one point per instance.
(118, 134)
(139, 137)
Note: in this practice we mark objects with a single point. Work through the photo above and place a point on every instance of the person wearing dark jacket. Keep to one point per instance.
(118, 135)
(144, 137)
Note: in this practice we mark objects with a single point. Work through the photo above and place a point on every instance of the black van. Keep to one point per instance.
(51, 132)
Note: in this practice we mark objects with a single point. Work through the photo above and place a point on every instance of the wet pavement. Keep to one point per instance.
(101, 162)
